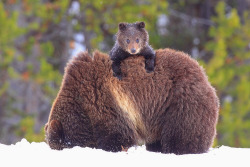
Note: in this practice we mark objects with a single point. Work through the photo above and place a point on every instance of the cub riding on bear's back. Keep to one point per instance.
(172, 110)
(132, 39)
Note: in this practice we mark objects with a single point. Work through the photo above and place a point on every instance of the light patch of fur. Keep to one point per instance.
(129, 108)
(134, 45)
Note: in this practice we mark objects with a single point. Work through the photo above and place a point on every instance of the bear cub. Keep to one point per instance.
(132, 39)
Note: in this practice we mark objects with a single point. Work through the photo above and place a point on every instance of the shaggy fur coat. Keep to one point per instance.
(171, 110)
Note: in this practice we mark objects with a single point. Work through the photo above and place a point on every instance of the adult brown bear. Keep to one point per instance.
(172, 110)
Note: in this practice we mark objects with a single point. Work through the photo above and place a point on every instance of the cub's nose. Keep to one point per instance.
(133, 50)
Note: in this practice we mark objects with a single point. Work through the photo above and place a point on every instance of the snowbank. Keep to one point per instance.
(39, 154)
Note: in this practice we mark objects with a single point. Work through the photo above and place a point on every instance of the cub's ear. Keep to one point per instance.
(122, 26)
(141, 24)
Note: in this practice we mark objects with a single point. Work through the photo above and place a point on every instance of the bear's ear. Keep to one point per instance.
(122, 26)
(140, 24)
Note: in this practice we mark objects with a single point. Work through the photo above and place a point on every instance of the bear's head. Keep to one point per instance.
(132, 37)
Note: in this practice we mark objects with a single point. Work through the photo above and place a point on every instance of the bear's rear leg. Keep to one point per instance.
(54, 134)
(155, 146)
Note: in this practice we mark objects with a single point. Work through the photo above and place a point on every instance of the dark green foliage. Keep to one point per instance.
(229, 72)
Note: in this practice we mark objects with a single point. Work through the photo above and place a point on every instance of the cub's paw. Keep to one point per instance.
(118, 76)
(149, 69)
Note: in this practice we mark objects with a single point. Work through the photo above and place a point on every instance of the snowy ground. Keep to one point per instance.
(39, 154)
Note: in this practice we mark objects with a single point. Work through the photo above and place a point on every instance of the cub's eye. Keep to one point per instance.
(137, 40)
(128, 40)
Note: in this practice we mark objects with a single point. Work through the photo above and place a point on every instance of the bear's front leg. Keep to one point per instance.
(116, 67)
(154, 147)
(54, 135)
(115, 142)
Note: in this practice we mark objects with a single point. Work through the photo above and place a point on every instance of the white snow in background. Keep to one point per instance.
(79, 37)
(228, 99)
(196, 41)
(75, 8)
(77, 49)
(163, 20)
(78, 46)
(195, 52)
(162, 23)
(28, 154)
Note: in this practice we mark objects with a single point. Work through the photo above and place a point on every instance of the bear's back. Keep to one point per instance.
(145, 97)
(174, 99)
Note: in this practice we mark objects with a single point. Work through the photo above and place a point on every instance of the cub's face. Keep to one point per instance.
(132, 37)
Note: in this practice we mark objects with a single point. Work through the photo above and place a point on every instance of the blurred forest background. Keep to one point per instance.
(38, 37)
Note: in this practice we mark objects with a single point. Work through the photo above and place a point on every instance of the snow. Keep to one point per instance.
(75, 8)
(79, 47)
(32, 154)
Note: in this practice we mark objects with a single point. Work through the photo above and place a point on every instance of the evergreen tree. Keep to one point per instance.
(229, 72)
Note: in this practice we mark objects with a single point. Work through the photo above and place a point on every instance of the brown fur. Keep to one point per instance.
(172, 110)
(132, 32)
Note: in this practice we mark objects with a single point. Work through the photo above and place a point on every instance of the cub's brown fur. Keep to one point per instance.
(172, 110)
